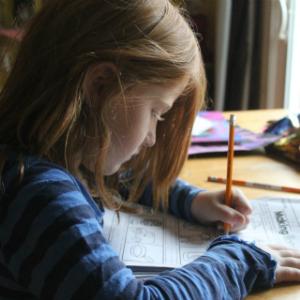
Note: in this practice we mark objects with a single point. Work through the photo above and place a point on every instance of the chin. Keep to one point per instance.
(111, 171)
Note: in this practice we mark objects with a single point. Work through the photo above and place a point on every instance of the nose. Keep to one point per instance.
(151, 138)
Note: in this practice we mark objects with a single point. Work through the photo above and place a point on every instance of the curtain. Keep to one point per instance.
(244, 58)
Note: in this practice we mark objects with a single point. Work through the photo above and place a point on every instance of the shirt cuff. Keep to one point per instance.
(262, 263)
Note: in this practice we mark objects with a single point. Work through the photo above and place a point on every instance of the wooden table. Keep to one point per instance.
(254, 167)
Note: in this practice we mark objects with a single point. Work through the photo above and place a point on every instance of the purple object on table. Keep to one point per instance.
(215, 139)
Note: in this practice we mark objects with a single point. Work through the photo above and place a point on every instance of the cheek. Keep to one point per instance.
(131, 133)
(137, 131)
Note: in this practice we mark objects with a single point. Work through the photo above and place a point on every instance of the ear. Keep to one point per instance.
(97, 75)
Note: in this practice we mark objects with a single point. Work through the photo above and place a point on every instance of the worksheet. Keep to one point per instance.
(275, 221)
(155, 241)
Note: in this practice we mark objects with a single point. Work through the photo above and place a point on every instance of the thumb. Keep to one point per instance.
(231, 216)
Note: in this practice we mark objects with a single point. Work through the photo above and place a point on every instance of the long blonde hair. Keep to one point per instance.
(43, 110)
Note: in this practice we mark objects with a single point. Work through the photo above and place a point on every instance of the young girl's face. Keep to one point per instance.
(135, 127)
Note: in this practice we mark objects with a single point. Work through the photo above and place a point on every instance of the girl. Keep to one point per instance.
(101, 102)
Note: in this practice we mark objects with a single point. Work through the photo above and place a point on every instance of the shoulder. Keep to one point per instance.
(44, 186)
(37, 172)
(57, 181)
(40, 170)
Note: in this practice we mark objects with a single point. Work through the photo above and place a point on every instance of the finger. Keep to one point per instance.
(290, 262)
(234, 227)
(277, 247)
(231, 216)
(289, 253)
(240, 202)
(287, 274)
(281, 252)
(237, 227)
(280, 247)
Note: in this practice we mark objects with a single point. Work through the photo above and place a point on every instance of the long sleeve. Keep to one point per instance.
(229, 270)
(52, 247)
(180, 198)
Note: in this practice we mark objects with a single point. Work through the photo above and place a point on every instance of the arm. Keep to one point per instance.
(54, 246)
(230, 269)
(180, 198)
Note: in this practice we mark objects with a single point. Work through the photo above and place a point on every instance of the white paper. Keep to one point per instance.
(160, 240)
(275, 221)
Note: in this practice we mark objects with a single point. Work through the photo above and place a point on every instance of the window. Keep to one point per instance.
(292, 90)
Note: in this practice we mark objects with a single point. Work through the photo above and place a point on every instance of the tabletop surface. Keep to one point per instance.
(253, 166)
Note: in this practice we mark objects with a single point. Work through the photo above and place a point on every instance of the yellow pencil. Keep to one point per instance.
(228, 193)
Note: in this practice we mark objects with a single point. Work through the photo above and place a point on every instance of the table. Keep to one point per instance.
(254, 166)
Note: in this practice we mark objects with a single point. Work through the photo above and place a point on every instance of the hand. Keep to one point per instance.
(288, 263)
(210, 208)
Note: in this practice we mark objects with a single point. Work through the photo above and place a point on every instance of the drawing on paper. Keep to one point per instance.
(139, 252)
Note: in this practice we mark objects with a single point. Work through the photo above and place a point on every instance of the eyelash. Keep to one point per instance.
(157, 116)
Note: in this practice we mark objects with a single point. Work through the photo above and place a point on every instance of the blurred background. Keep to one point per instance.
(249, 46)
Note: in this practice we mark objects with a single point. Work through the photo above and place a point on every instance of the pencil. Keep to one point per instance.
(252, 184)
(228, 193)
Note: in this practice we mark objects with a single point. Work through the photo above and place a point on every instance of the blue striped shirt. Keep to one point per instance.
(52, 247)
